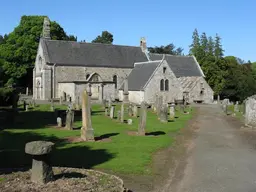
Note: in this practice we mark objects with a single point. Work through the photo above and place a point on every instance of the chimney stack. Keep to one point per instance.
(143, 44)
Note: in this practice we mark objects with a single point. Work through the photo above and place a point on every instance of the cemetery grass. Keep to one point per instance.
(123, 153)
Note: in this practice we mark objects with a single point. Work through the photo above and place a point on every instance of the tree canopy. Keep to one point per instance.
(167, 49)
(19, 48)
(105, 37)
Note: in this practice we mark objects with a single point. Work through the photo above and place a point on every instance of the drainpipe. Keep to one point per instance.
(53, 79)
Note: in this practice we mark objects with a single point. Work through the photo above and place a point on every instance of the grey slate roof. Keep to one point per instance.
(182, 66)
(140, 75)
(91, 54)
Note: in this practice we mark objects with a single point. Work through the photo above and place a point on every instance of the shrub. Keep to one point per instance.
(7, 96)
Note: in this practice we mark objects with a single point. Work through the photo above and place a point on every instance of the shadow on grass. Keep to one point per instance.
(12, 152)
(156, 133)
(105, 136)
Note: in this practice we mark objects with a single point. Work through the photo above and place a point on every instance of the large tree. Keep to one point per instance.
(105, 37)
(18, 52)
(167, 49)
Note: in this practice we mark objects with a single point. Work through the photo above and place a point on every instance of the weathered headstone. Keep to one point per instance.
(218, 98)
(135, 111)
(112, 112)
(130, 110)
(41, 168)
(129, 121)
(69, 119)
(59, 122)
(225, 108)
(172, 112)
(164, 114)
(87, 132)
(122, 113)
(143, 119)
(126, 91)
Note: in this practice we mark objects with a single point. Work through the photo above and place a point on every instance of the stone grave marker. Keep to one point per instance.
(87, 132)
(69, 119)
(130, 110)
(41, 168)
(135, 111)
(27, 107)
(164, 114)
(59, 122)
(172, 112)
(129, 121)
(122, 113)
(112, 112)
(143, 119)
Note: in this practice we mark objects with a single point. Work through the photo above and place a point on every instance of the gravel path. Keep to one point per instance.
(221, 160)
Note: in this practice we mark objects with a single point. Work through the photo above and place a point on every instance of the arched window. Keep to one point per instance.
(162, 85)
(87, 76)
(115, 81)
(166, 85)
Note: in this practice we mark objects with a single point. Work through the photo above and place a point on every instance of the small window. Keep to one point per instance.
(87, 76)
(164, 69)
(115, 81)
(166, 85)
(162, 85)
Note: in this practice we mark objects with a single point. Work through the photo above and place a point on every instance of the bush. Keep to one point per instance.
(7, 96)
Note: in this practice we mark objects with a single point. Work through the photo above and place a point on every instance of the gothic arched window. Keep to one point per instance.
(166, 85)
(162, 85)
(115, 80)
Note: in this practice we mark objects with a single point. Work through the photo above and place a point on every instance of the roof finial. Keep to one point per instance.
(46, 29)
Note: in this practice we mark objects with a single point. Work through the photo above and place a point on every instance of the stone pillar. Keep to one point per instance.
(112, 112)
(126, 91)
(87, 132)
(143, 119)
(101, 92)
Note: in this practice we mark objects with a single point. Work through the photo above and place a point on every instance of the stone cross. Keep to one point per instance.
(130, 110)
(69, 119)
(143, 119)
(126, 91)
(164, 114)
(122, 113)
(59, 122)
(112, 112)
(41, 169)
(172, 111)
(135, 111)
(87, 132)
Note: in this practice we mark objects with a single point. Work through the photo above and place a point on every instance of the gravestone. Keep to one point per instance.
(130, 110)
(135, 111)
(126, 91)
(87, 132)
(106, 111)
(164, 114)
(69, 119)
(225, 108)
(27, 107)
(143, 119)
(41, 171)
(122, 113)
(112, 112)
(129, 121)
(172, 111)
(218, 98)
(236, 107)
(59, 122)
(159, 104)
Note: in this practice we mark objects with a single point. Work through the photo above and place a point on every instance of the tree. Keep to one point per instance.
(168, 49)
(105, 37)
(218, 51)
(195, 46)
(210, 46)
(20, 48)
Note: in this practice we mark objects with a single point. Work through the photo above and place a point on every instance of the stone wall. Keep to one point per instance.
(134, 96)
(69, 89)
(153, 86)
(250, 111)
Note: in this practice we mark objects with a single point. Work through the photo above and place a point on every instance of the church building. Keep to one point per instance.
(63, 69)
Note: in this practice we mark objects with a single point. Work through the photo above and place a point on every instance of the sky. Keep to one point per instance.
(160, 22)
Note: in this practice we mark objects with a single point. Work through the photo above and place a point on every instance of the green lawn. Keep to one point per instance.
(239, 114)
(123, 154)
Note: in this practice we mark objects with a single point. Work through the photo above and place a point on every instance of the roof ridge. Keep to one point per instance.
(172, 55)
(105, 44)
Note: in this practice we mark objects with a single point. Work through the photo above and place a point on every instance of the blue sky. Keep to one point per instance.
(161, 22)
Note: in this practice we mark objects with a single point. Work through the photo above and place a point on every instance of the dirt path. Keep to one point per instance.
(220, 160)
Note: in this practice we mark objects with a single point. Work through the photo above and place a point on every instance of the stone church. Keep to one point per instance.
(63, 69)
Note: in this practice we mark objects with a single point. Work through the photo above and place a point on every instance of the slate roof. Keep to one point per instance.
(182, 66)
(91, 54)
(188, 83)
(140, 75)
